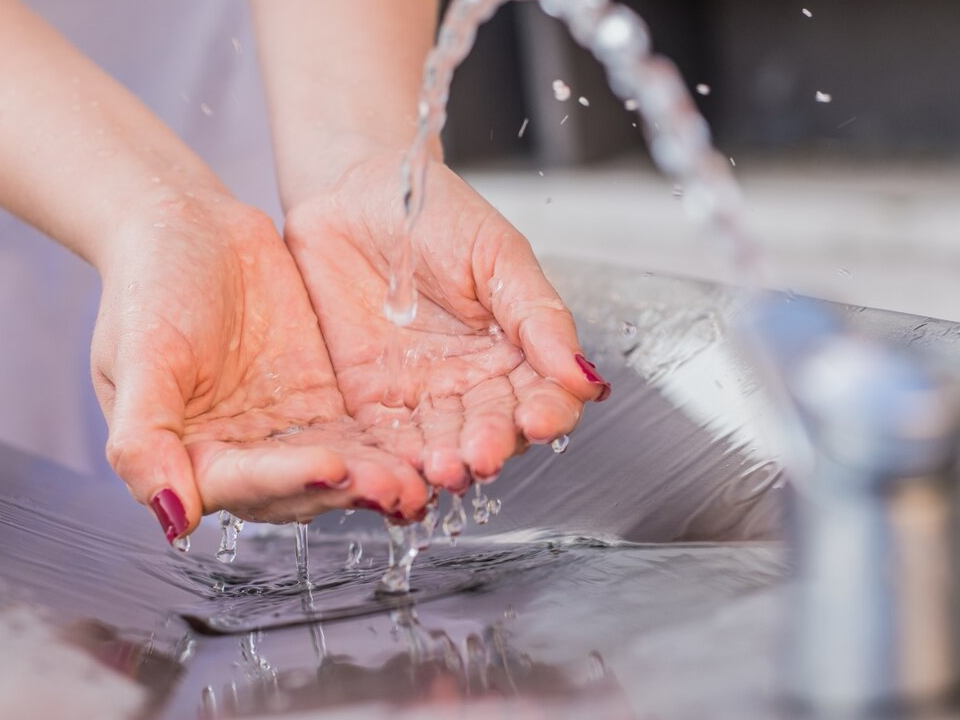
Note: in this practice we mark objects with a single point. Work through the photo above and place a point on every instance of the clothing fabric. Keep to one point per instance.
(193, 62)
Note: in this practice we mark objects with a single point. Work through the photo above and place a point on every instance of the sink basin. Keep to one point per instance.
(636, 575)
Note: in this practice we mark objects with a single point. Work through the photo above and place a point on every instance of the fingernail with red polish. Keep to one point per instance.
(169, 511)
(329, 484)
(365, 504)
(593, 377)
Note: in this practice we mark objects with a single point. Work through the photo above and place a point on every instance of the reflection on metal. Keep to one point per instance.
(873, 620)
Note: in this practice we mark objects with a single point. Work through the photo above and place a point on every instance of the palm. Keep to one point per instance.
(228, 350)
(467, 395)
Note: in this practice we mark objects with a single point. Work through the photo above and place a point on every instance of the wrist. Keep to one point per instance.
(322, 167)
(168, 205)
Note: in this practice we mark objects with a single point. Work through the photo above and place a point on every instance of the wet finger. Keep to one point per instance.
(231, 475)
(145, 448)
(512, 284)
(441, 421)
(489, 435)
(545, 410)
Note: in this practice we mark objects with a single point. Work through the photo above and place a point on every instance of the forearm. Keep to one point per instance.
(342, 78)
(78, 152)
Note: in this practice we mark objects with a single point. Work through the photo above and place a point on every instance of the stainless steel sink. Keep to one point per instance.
(639, 574)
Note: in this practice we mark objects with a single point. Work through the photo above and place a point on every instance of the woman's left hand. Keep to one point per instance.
(490, 363)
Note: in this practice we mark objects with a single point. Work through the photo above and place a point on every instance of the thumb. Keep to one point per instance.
(534, 317)
(146, 449)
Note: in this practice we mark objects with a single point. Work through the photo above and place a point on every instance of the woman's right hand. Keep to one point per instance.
(206, 347)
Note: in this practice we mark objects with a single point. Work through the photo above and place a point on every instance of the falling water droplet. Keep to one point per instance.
(822, 97)
(559, 445)
(481, 509)
(237, 47)
(627, 330)
(456, 519)
(703, 89)
(565, 117)
(303, 553)
(354, 555)
(806, 12)
(230, 528)
(403, 551)
(561, 91)
(206, 109)
(523, 128)
(844, 272)
(583, 101)
(678, 191)
(182, 544)
(630, 105)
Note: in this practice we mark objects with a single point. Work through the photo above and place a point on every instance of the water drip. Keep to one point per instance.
(230, 528)
(303, 553)
(456, 519)
(559, 445)
(403, 551)
(481, 507)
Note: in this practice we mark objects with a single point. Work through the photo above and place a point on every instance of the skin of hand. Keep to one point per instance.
(206, 343)
(205, 347)
(491, 362)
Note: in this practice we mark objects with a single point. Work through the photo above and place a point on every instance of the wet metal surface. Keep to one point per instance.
(636, 575)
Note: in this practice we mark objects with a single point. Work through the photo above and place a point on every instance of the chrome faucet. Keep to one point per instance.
(875, 432)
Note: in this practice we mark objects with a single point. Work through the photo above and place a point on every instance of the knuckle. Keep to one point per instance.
(124, 452)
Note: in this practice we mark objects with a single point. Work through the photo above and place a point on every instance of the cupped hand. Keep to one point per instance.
(208, 360)
(491, 361)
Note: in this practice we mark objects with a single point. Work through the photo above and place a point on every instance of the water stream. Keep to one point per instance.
(679, 142)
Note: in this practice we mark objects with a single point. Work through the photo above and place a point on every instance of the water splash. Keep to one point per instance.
(230, 528)
(561, 91)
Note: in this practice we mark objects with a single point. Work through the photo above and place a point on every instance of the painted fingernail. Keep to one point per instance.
(169, 511)
(365, 504)
(589, 371)
(329, 484)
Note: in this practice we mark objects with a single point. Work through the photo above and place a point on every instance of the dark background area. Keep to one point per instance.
(890, 68)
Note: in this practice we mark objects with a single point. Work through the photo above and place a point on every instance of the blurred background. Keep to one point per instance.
(842, 121)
